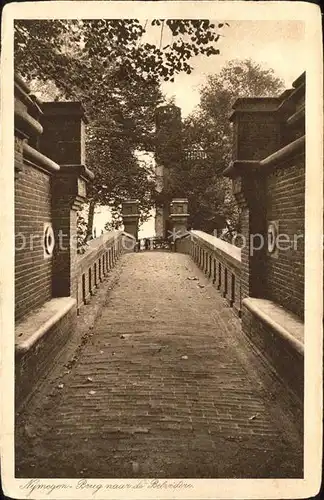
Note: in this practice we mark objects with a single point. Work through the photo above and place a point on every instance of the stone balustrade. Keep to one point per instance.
(94, 265)
(221, 262)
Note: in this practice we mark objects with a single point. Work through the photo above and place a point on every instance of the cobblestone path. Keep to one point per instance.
(167, 386)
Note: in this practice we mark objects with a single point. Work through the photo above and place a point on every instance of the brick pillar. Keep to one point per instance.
(131, 215)
(179, 215)
(257, 129)
(63, 140)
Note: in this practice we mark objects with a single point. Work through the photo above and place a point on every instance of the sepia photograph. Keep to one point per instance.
(166, 220)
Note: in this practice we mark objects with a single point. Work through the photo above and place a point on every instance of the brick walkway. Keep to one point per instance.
(166, 387)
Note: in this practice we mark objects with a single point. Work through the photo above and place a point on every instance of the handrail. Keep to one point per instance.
(39, 159)
(292, 148)
(103, 239)
(218, 244)
(33, 126)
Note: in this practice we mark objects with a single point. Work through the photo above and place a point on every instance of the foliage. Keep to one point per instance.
(208, 129)
(73, 45)
(113, 69)
(81, 233)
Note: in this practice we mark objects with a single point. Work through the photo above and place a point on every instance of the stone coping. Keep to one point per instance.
(255, 104)
(128, 235)
(177, 215)
(57, 109)
(103, 238)
(300, 80)
(270, 104)
(77, 169)
(95, 246)
(39, 159)
(296, 118)
(217, 244)
(297, 92)
(22, 92)
(21, 82)
(27, 122)
(282, 154)
(286, 324)
(242, 167)
(38, 322)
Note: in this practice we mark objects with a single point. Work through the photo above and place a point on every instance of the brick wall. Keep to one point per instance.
(32, 366)
(33, 273)
(286, 204)
(284, 359)
(268, 175)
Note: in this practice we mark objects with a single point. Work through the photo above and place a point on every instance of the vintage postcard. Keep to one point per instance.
(162, 250)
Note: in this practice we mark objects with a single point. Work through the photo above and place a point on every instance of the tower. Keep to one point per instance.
(168, 153)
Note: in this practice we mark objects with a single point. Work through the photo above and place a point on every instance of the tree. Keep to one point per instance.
(110, 67)
(208, 129)
(71, 45)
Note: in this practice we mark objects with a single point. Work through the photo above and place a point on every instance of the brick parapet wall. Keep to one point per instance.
(46, 193)
(33, 272)
(271, 189)
(50, 186)
(33, 364)
(285, 360)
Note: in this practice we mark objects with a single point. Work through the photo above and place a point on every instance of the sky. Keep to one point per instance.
(274, 44)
